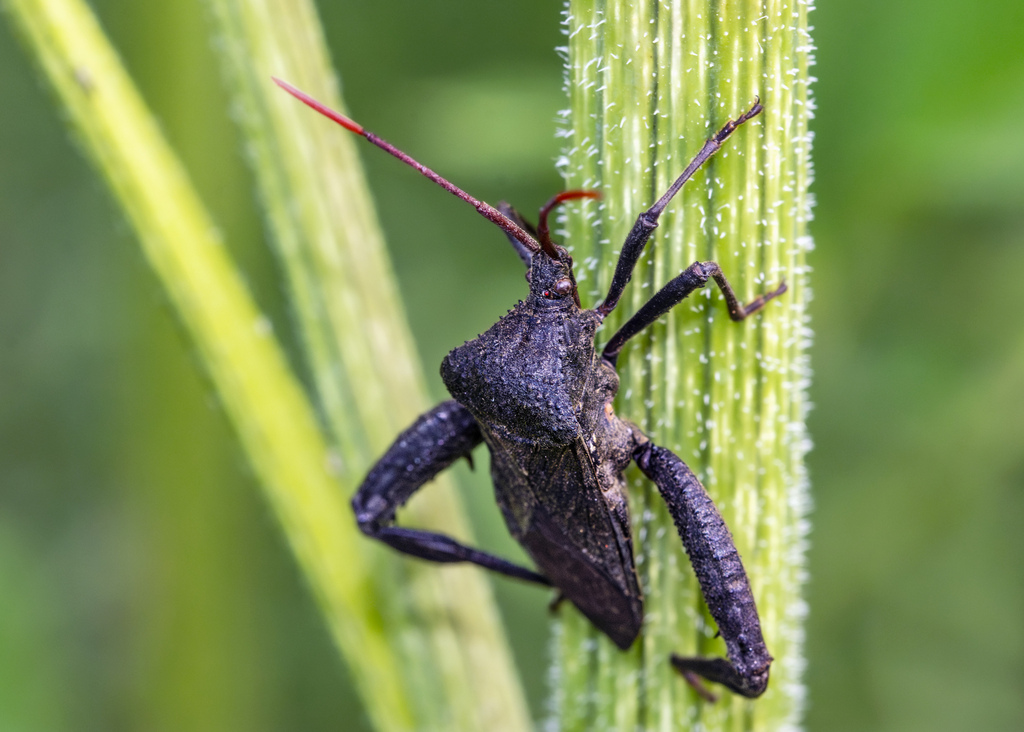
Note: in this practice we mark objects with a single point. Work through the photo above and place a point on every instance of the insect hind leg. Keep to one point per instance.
(435, 441)
(445, 550)
(723, 581)
(720, 671)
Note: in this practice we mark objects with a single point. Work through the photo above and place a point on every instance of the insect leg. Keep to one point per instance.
(719, 571)
(433, 442)
(647, 222)
(692, 278)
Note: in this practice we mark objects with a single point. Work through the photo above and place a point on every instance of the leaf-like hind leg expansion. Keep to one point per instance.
(692, 278)
(719, 571)
(433, 442)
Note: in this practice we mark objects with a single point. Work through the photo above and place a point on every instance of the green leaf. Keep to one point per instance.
(424, 646)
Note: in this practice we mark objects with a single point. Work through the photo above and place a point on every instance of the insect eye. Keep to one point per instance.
(563, 287)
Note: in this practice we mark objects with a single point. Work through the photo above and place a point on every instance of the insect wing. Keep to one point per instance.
(554, 508)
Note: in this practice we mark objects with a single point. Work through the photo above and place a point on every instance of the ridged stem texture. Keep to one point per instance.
(647, 83)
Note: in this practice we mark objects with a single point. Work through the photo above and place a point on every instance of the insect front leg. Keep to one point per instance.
(692, 278)
(647, 222)
(723, 581)
(433, 442)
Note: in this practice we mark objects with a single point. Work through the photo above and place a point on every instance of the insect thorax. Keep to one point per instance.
(526, 376)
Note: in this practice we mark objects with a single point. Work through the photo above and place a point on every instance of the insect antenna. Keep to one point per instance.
(485, 209)
(543, 234)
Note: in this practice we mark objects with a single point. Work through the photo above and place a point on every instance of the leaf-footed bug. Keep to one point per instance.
(534, 388)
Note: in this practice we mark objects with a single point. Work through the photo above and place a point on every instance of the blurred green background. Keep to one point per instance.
(143, 583)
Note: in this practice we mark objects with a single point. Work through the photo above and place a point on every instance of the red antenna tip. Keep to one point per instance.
(543, 234)
(324, 110)
(482, 208)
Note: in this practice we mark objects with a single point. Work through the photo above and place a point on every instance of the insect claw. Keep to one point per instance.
(698, 686)
(754, 110)
(732, 124)
(556, 602)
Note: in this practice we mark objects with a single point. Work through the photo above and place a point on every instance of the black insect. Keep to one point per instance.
(535, 389)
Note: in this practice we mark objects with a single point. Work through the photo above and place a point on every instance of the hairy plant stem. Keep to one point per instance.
(647, 84)
(455, 674)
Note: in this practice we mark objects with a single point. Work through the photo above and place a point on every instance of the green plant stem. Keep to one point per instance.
(647, 84)
(275, 422)
(442, 622)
